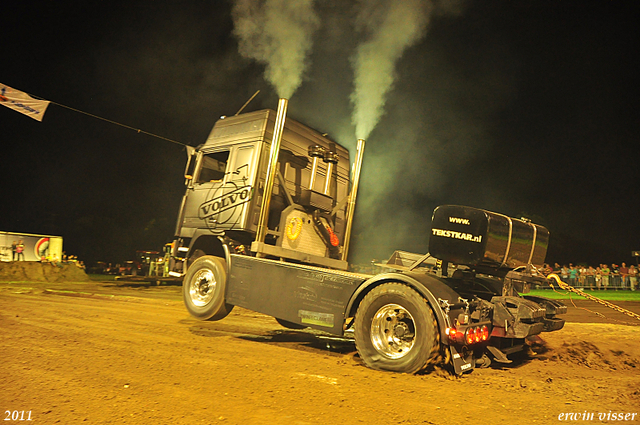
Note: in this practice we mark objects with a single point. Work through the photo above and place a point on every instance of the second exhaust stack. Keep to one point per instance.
(355, 178)
(272, 169)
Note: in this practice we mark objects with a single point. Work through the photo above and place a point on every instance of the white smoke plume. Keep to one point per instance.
(392, 26)
(279, 34)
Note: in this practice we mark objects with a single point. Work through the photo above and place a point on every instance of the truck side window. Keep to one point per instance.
(213, 166)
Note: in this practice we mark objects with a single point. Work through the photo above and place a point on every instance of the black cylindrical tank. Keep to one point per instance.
(475, 237)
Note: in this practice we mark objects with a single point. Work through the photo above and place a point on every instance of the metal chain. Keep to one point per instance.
(570, 288)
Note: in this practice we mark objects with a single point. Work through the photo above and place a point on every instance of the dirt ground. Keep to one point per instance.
(123, 353)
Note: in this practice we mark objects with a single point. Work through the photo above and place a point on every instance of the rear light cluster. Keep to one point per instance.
(479, 334)
(472, 335)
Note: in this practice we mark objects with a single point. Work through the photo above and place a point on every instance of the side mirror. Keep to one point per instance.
(192, 158)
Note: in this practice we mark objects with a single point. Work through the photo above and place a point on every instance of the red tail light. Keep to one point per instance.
(484, 331)
(471, 335)
(453, 334)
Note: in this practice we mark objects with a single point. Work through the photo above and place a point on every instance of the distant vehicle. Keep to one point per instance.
(130, 268)
(141, 265)
(100, 267)
(146, 261)
(149, 266)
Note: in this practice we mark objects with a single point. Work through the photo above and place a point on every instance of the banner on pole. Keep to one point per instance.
(22, 102)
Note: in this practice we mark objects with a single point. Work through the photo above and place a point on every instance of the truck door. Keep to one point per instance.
(234, 202)
(207, 182)
(221, 190)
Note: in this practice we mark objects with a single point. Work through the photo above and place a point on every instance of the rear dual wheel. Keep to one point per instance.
(396, 330)
(204, 287)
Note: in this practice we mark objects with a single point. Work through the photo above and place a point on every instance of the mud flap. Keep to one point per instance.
(461, 363)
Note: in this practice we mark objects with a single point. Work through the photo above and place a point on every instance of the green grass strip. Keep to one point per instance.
(608, 295)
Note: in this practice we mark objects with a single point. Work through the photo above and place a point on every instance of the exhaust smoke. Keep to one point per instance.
(279, 34)
(392, 26)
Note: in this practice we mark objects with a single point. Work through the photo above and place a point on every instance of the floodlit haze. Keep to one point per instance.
(390, 27)
(520, 107)
(279, 34)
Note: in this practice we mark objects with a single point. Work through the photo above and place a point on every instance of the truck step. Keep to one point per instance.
(498, 355)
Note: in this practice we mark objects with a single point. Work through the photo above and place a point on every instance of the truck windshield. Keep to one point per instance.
(213, 166)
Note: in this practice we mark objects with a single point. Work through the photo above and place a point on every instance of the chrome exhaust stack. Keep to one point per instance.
(351, 208)
(272, 169)
(330, 158)
(315, 152)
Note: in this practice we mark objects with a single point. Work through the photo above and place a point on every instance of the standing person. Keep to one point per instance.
(591, 277)
(605, 275)
(624, 275)
(573, 275)
(633, 277)
(20, 250)
(564, 274)
(582, 276)
(598, 277)
(14, 250)
(614, 276)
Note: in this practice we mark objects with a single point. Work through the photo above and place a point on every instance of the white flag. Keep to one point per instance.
(22, 102)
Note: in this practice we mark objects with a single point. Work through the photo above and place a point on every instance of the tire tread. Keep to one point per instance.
(391, 288)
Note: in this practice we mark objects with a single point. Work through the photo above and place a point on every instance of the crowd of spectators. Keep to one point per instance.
(601, 277)
(17, 250)
(58, 262)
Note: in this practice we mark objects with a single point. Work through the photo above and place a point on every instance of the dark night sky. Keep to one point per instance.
(520, 107)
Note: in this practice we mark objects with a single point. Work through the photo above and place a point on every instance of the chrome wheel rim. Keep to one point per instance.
(393, 331)
(202, 287)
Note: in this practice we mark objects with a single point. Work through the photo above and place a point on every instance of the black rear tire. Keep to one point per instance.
(204, 288)
(396, 330)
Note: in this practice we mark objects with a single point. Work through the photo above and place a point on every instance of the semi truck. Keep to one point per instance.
(265, 224)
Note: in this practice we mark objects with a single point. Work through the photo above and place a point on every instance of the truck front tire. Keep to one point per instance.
(396, 330)
(204, 287)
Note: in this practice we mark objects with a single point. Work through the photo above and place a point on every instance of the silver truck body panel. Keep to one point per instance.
(232, 202)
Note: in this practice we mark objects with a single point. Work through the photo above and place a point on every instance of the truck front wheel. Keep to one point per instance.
(203, 289)
(395, 329)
